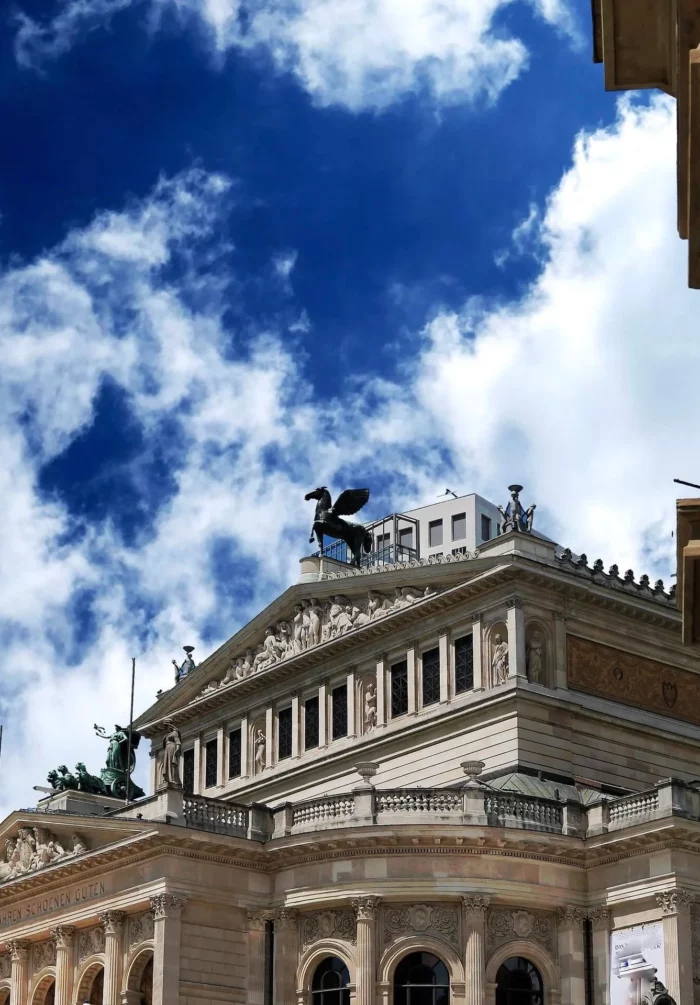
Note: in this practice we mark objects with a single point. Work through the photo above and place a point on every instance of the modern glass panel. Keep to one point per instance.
(464, 664)
(234, 753)
(311, 723)
(284, 734)
(485, 528)
(459, 527)
(518, 982)
(435, 533)
(188, 772)
(329, 985)
(211, 763)
(421, 979)
(431, 676)
(339, 701)
(399, 688)
(406, 537)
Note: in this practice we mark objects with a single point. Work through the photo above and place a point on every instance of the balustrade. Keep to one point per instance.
(212, 815)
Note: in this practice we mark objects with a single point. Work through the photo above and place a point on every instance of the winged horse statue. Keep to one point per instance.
(328, 520)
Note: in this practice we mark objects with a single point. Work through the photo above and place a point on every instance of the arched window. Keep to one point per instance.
(518, 982)
(330, 983)
(421, 979)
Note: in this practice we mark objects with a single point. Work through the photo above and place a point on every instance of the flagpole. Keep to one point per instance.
(131, 726)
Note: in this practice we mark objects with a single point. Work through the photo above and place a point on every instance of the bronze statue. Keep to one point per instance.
(327, 520)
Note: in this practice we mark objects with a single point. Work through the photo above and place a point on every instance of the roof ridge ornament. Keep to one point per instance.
(515, 517)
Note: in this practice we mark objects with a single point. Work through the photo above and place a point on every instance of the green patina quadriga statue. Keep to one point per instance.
(113, 778)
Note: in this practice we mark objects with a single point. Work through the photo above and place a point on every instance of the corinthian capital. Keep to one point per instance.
(475, 905)
(63, 936)
(366, 908)
(258, 919)
(112, 922)
(167, 905)
(19, 950)
(571, 916)
(599, 917)
(286, 918)
(674, 901)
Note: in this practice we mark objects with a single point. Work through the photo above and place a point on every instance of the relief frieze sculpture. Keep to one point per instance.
(34, 848)
(140, 929)
(504, 925)
(43, 955)
(328, 925)
(440, 919)
(91, 943)
(611, 673)
(310, 625)
(5, 966)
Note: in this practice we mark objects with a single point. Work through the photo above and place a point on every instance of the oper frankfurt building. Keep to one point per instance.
(462, 772)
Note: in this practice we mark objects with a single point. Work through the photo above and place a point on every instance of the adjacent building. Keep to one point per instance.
(466, 776)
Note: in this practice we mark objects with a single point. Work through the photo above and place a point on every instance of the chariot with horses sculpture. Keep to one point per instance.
(328, 520)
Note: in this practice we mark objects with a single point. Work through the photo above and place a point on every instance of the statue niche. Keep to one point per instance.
(367, 704)
(498, 648)
(536, 653)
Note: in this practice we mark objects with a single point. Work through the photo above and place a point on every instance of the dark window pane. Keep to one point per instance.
(464, 664)
(269, 975)
(234, 753)
(435, 533)
(284, 734)
(311, 723)
(459, 527)
(340, 711)
(399, 689)
(485, 528)
(406, 537)
(431, 676)
(188, 772)
(518, 982)
(211, 763)
(421, 979)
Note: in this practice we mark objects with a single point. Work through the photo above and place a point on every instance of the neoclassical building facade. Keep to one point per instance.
(468, 778)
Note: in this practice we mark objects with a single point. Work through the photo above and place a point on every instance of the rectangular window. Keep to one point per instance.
(234, 753)
(311, 723)
(406, 537)
(399, 689)
(434, 533)
(211, 763)
(382, 541)
(431, 676)
(459, 526)
(188, 772)
(284, 734)
(464, 664)
(339, 699)
(485, 528)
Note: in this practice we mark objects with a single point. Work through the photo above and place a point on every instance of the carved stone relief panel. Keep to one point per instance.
(508, 925)
(140, 928)
(441, 920)
(328, 925)
(90, 943)
(5, 966)
(43, 955)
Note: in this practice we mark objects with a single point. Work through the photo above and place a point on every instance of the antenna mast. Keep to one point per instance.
(131, 726)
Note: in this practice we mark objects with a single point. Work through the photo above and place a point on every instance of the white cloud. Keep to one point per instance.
(361, 54)
(583, 390)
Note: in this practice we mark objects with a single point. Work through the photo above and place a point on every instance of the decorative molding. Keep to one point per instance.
(599, 918)
(112, 922)
(140, 928)
(571, 916)
(19, 950)
(507, 925)
(439, 919)
(601, 670)
(475, 904)
(43, 955)
(366, 908)
(91, 943)
(515, 602)
(167, 905)
(329, 925)
(34, 848)
(286, 919)
(258, 919)
(63, 936)
(559, 616)
(674, 901)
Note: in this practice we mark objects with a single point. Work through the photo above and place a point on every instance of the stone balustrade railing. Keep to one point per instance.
(322, 812)
(215, 816)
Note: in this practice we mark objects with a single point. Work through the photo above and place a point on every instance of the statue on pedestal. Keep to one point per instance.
(168, 767)
(116, 774)
(499, 661)
(328, 522)
(188, 664)
(514, 516)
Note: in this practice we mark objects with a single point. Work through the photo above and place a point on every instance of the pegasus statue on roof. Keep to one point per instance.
(328, 520)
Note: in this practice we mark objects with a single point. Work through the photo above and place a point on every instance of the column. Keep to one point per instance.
(286, 953)
(323, 715)
(412, 669)
(600, 923)
(474, 914)
(113, 923)
(366, 909)
(63, 937)
(381, 691)
(19, 977)
(296, 748)
(515, 621)
(220, 759)
(352, 718)
(675, 907)
(477, 648)
(270, 746)
(197, 765)
(167, 913)
(444, 647)
(559, 678)
(256, 957)
(245, 744)
(153, 773)
(572, 956)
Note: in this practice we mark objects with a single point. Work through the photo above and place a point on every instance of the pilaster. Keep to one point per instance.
(220, 760)
(270, 747)
(477, 651)
(352, 718)
(245, 741)
(381, 691)
(515, 622)
(296, 722)
(286, 954)
(412, 672)
(560, 678)
(572, 955)
(474, 916)
(113, 925)
(675, 907)
(167, 928)
(323, 715)
(600, 923)
(366, 910)
(256, 956)
(197, 787)
(63, 937)
(444, 648)
(19, 977)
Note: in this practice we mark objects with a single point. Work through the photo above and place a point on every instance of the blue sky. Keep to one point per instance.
(251, 247)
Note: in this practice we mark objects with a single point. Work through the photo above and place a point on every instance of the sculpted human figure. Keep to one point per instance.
(315, 622)
(169, 760)
(377, 605)
(370, 707)
(272, 650)
(298, 628)
(499, 660)
(534, 658)
(358, 617)
(259, 744)
(79, 846)
(339, 616)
